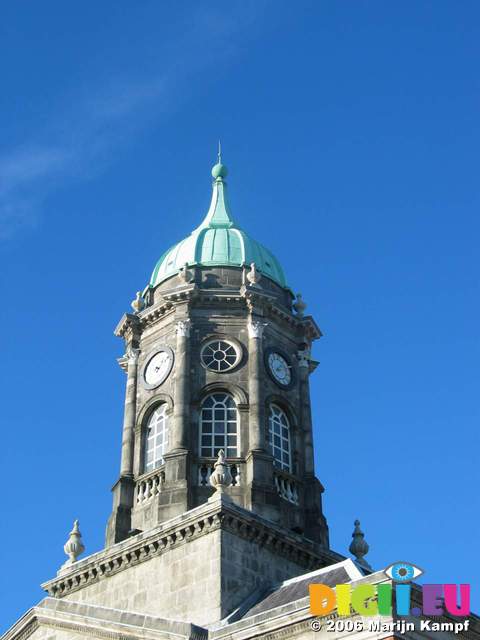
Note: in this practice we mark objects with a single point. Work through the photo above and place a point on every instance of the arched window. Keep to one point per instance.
(218, 426)
(279, 436)
(156, 438)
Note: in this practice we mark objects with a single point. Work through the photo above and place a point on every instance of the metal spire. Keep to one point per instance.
(219, 155)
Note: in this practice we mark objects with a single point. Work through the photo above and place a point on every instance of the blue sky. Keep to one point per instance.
(351, 133)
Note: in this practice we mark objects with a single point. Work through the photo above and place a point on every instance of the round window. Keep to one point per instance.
(220, 355)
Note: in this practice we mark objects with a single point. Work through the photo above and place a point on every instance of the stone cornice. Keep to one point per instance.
(252, 298)
(219, 514)
(128, 322)
(101, 622)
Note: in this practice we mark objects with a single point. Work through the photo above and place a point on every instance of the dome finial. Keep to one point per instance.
(219, 171)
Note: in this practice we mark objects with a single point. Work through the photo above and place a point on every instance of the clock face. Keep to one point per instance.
(158, 367)
(280, 369)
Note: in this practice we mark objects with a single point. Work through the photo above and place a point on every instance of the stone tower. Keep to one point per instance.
(217, 497)
(217, 356)
(217, 530)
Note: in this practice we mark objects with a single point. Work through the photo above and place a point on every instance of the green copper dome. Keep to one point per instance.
(218, 241)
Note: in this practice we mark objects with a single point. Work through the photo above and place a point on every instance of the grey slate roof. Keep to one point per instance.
(295, 590)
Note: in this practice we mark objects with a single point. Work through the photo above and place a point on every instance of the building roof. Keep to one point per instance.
(297, 588)
(218, 241)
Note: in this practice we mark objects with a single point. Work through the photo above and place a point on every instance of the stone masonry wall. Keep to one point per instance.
(200, 581)
(246, 567)
(182, 584)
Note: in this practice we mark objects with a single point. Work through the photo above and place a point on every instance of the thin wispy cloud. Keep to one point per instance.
(81, 140)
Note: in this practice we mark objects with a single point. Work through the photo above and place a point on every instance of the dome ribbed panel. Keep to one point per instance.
(218, 242)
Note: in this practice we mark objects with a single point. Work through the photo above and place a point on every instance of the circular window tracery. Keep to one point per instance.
(220, 355)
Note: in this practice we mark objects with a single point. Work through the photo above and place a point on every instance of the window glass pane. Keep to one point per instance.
(279, 437)
(223, 422)
(156, 439)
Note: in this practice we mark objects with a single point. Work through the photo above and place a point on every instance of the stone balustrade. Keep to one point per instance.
(148, 486)
(287, 486)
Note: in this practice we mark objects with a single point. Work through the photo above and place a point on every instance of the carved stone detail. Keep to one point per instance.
(132, 354)
(183, 328)
(74, 545)
(221, 478)
(139, 303)
(254, 276)
(185, 274)
(300, 305)
(256, 328)
(303, 357)
(359, 546)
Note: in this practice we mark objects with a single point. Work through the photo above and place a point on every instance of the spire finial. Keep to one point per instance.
(219, 171)
(359, 546)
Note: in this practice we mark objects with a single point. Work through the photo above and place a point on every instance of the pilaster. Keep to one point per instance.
(119, 523)
(182, 396)
(255, 389)
(303, 357)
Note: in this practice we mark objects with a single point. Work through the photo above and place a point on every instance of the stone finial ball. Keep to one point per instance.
(219, 171)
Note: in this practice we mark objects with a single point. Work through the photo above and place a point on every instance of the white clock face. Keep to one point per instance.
(158, 368)
(280, 369)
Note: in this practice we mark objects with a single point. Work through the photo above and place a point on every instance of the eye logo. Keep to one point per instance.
(403, 571)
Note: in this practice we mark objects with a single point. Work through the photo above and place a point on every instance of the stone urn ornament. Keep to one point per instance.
(359, 546)
(300, 305)
(139, 303)
(74, 545)
(221, 477)
(254, 276)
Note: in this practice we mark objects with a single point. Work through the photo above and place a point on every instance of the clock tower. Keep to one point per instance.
(217, 358)
(217, 530)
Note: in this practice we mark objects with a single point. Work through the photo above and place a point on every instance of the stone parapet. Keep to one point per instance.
(198, 566)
